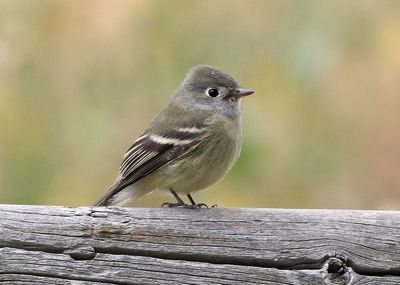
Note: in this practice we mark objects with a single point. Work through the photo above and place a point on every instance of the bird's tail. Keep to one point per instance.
(108, 198)
(119, 194)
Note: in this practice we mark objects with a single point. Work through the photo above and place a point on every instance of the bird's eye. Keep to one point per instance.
(212, 92)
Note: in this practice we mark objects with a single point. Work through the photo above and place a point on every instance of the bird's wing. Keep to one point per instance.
(150, 152)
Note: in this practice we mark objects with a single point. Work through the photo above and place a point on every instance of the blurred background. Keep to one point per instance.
(80, 80)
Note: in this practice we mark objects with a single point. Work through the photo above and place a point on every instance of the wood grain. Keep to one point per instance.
(59, 245)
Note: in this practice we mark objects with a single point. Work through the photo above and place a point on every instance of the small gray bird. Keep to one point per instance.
(190, 145)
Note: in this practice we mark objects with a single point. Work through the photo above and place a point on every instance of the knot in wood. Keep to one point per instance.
(336, 272)
(336, 265)
(81, 252)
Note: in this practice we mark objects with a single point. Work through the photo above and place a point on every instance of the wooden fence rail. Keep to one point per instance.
(59, 245)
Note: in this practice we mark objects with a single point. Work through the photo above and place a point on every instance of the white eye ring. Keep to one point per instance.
(212, 92)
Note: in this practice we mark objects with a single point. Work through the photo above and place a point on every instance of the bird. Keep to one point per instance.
(190, 145)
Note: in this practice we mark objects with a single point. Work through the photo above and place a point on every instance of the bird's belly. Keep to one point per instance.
(204, 166)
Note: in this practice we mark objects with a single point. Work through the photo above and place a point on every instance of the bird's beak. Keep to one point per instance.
(241, 92)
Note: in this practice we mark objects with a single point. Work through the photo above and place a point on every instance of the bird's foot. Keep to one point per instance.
(174, 205)
(183, 205)
(196, 206)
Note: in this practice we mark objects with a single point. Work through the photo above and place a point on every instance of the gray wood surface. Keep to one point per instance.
(59, 245)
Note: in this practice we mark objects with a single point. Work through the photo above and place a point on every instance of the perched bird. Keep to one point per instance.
(189, 146)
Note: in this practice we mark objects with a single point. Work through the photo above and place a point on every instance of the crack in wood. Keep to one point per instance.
(303, 263)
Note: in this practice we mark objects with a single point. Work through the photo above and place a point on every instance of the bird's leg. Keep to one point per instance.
(180, 202)
(194, 205)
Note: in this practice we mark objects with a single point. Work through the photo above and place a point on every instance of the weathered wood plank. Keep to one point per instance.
(22, 279)
(209, 245)
(50, 268)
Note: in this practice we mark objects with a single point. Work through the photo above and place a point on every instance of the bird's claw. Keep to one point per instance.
(196, 206)
(173, 205)
(186, 206)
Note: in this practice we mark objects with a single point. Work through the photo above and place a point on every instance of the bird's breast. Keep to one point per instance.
(208, 163)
